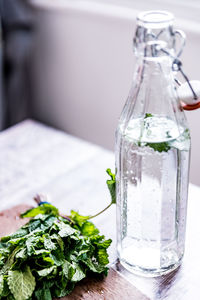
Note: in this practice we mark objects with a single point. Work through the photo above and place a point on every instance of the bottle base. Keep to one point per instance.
(149, 272)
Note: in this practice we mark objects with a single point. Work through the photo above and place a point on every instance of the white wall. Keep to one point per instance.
(82, 68)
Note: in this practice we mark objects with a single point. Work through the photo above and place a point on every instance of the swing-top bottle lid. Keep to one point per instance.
(155, 19)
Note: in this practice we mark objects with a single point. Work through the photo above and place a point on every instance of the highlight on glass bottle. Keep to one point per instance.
(152, 155)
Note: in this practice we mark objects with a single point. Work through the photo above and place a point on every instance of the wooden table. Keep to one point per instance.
(38, 159)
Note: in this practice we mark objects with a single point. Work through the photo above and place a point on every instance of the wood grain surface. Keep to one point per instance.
(10, 219)
(112, 287)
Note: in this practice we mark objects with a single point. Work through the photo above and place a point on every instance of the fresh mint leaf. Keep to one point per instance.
(148, 115)
(159, 147)
(43, 294)
(58, 257)
(79, 274)
(1, 285)
(58, 240)
(30, 245)
(62, 292)
(48, 244)
(65, 230)
(21, 283)
(10, 261)
(111, 184)
(22, 254)
(6, 290)
(102, 256)
(45, 261)
(93, 266)
(41, 252)
(78, 219)
(103, 244)
(42, 209)
(18, 234)
(46, 271)
(10, 297)
(89, 229)
(68, 270)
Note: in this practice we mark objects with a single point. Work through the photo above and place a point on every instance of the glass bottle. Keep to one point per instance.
(152, 156)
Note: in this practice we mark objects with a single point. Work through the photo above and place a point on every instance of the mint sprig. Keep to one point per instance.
(51, 253)
(111, 184)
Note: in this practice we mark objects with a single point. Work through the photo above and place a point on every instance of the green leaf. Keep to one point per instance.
(30, 244)
(159, 147)
(49, 221)
(10, 261)
(111, 184)
(79, 274)
(78, 219)
(48, 244)
(1, 285)
(42, 209)
(45, 261)
(68, 270)
(148, 115)
(89, 229)
(6, 290)
(58, 257)
(22, 254)
(93, 266)
(21, 284)
(103, 244)
(35, 225)
(19, 233)
(58, 292)
(41, 252)
(102, 256)
(43, 294)
(58, 240)
(65, 230)
(10, 297)
(46, 271)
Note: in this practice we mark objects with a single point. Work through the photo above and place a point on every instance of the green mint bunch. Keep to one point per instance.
(51, 253)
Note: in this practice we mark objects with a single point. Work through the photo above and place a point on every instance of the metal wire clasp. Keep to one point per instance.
(177, 67)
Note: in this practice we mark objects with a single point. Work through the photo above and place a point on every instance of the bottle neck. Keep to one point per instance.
(150, 69)
(153, 91)
(154, 34)
(154, 86)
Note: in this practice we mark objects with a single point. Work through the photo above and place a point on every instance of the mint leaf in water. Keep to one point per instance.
(159, 147)
(148, 115)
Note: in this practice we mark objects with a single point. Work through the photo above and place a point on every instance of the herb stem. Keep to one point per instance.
(67, 218)
(101, 211)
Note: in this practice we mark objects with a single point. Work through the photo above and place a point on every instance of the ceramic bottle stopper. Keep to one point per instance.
(189, 94)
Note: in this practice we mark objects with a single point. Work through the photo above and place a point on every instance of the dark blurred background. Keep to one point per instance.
(16, 37)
